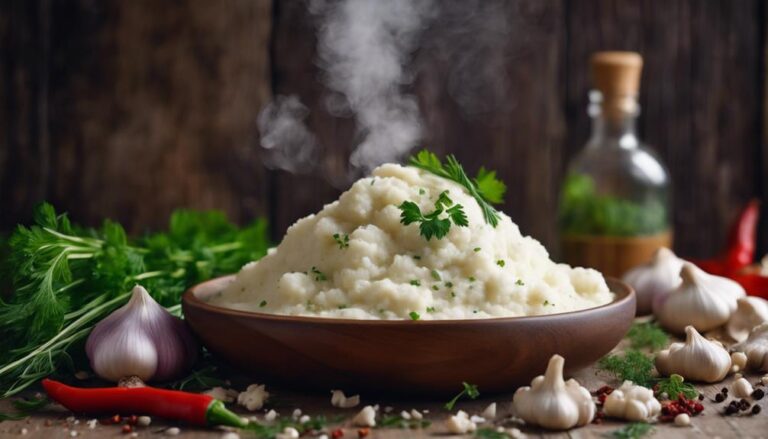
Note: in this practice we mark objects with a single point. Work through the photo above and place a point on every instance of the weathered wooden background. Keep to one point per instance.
(130, 109)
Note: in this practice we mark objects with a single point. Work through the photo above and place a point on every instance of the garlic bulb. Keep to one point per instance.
(338, 399)
(657, 277)
(702, 300)
(553, 403)
(698, 359)
(141, 339)
(631, 402)
(365, 418)
(756, 348)
(750, 312)
(253, 397)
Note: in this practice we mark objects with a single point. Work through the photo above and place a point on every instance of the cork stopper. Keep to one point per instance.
(617, 76)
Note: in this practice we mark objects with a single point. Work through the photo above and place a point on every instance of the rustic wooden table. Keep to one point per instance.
(56, 422)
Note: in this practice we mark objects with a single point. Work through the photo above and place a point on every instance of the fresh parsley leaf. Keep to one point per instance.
(491, 188)
(431, 224)
(674, 386)
(414, 315)
(435, 275)
(647, 335)
(469, 390)
(397, 421)
(490, 433)
(263, 304)
(519, 282)
(633, 365)
(415, 282)
(319, 275)
(634, 430)
(484, 185)
(501, 263)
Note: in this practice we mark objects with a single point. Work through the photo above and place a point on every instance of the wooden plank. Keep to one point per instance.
(148, 111)
(697, 109)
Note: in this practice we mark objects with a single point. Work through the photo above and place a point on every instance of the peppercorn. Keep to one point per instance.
(363, 432)
(755, 409)
(731, 409)
(724, 390)
(701, 397)
(744, 404)
(127, 429)
(132, 420)
(338, 433)
(719, 397)
(758, 394)
(115, 419)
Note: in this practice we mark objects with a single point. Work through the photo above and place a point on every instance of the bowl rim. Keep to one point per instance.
(189, 299)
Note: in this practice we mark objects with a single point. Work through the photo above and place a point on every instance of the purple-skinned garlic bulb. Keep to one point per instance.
(141, 339)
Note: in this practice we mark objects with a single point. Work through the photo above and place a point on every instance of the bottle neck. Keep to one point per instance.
(613, 122)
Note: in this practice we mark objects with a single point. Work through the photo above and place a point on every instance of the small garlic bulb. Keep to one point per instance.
(553, 403)
(756, 348)
(698, 359)
(657, 277)
(702, 300)
(632, 402)
(141, 339)
(750, 312)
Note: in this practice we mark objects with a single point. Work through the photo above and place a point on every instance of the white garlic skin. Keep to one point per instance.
(750, 312)
(756, 348)
(702, 300)
(742, 388)
(365, 418)
(657, 277)
(698, 359)
(631, 402)
(141, 339)
(552, 403)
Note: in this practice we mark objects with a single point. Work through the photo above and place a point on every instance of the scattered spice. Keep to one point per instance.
(674, 386)
(720, 397)
(363, 432)
(670, 409)
(758, 394)
(126, 429)
(755, 409)
(338, 433)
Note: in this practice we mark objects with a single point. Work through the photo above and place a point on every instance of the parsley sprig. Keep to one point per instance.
(431, 224)
(469, 389)
(485, 188)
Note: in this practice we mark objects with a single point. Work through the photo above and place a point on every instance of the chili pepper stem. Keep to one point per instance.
(218, 414)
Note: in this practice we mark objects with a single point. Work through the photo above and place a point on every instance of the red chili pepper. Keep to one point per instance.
(754, 284)
(740, 250)
(194, 408)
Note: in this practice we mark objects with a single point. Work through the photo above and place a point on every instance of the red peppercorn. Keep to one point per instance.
(115, 419)
(363, 432)
(132, 420)
(336, 434)
(127, 429)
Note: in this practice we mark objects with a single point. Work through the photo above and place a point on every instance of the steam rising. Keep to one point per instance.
(363, 48)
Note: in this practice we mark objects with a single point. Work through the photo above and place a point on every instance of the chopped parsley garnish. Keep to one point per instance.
(470, 390)
(430, 309)
(472, 278)
(263, 304)
(414, 315)
(476, 249)
(453, 294)
(449, 284)
(519, 282)
(431, 224)
(397, 421)
(415, 283)
(436, 275)
(546, 302)
(435, 287)
(341, 240)
(319, 275)
(342, 307)
(485, 188)
(417, 257)
(422, 191)
(501, 263)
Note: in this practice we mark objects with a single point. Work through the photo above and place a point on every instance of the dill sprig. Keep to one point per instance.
(674, 386)
(647, 335)
(634, 430)
(633, 365)
(67, 278)
(485, 188)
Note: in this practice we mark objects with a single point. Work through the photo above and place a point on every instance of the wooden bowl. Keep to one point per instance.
(418, 358)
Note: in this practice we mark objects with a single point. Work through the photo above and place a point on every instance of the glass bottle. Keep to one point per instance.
(615, 200)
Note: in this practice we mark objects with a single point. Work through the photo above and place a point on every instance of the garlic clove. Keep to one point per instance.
(698, 359)
(738, 361)
(141, 339)
(756, 348)
(702, 300)
(750, 312)
(365, 418)
(656, 278)
(632, 403)
(742, 388)
(553, 403)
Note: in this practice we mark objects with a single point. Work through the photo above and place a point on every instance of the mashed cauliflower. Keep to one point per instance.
(386, 270)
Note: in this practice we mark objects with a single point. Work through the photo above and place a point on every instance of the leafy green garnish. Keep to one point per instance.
(469, 390)
(415, 282)
(674, 386)
(25, 407)
(341, 240)
(436, 275)
(205, 377)
(501, 263)
(270, 431)
(486, 189)
(634, 430)
(490, 433)
(633, 365)
(67, 278)
(319, 275)
(414, 315)
(397, 421)
(647, 335)
(431, 224)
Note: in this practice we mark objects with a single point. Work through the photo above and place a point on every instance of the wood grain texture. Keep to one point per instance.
(148, 111)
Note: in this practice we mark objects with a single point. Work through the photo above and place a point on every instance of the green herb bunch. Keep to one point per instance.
(485, 188)
(431, 224)
(66, 278)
